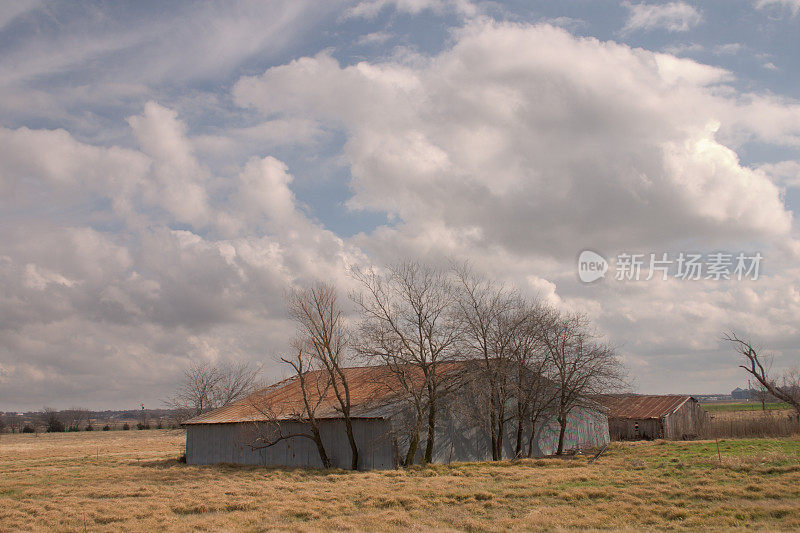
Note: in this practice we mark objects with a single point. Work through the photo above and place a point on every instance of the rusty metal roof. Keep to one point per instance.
(640, 406)
(373, 392)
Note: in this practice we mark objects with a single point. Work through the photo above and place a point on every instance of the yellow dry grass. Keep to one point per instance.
(132, 481)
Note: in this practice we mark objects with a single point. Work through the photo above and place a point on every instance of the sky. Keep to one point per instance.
(169, 169)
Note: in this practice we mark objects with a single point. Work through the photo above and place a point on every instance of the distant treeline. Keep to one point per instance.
(78, 419)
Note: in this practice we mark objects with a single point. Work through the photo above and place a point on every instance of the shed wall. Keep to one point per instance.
(229, 443)
(625, 428)
(686, 422)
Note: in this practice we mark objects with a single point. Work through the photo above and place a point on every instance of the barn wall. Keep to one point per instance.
(686, 422)
(228, 443)
(625, 428)
(459, 439)
(586, 428)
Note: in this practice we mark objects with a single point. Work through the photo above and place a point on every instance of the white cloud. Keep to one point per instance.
(728, 49)
(521, 145)
(85, 308)
(672, 17)
(378, 37)
(683, 48)
(541, 124)
(11, 9)
(370, 8)
(792, 5)
(514, 146)
(179, 185)
(785, 172)
(568, 23)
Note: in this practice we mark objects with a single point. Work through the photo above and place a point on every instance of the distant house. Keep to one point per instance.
(380, 421)
(634, 416)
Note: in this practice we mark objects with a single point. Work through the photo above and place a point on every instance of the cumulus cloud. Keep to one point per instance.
(88, 308)
(783, 172)
(516, 126)
(370, 8)
(672, 17)
(514, 146)
(791, 5)
(521, 145)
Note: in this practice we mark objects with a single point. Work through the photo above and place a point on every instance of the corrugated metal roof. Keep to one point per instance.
(640, 406)
(373, 391)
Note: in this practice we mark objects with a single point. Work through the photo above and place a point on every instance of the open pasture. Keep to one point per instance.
(133, 481)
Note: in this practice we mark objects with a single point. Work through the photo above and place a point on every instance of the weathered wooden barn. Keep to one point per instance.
(380, 422)
(634, 416)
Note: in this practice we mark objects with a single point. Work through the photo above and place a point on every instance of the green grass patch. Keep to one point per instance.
(744, 406)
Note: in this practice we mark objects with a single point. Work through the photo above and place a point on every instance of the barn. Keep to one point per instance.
(635, 416)
(380, 421)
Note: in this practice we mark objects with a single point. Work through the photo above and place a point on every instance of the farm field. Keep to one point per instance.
(744, 406)
(133, 481)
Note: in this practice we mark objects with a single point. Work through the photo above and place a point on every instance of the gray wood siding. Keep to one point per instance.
(625, 428)
(686, 422)
(230, 443)
(459, 440)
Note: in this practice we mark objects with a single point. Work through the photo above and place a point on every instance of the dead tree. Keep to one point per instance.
(206, 387)
(582, 367)
(492, 323)
(534, 390)
(314, 385)
(237, 380)
(409, 324)
(325, 338)
(754, 364)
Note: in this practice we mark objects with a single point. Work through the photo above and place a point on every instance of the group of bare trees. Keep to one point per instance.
(207, 386)
(532, 359)
(438, 331)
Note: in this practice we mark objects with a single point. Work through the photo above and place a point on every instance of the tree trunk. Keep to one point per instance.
(520, 430)
(501, 414)
(412, 448)
(431, 431)
(350, 437)
(531, 438)
(493, 427)
(326, 462)
(562, 421)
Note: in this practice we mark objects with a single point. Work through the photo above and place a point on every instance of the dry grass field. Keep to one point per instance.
(751, 423)
(132, 481)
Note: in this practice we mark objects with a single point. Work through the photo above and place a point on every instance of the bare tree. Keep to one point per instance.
(408, 322)
(582, 368)
(534, 389)
(206, 387)
(755, 364)
(236, 380)
(75, 417)
(53, 420)
(493, 322)
(314, 384)
(324, 337)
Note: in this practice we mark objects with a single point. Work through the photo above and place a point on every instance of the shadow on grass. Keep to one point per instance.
(159, 463)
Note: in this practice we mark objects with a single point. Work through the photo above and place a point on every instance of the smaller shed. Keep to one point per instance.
(636, 416)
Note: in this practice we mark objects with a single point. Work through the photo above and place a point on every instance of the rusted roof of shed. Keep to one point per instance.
(374, 390)
(640, 406)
